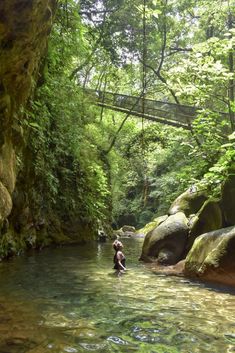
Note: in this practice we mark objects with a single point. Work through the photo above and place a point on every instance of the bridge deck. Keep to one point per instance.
(145, 116)
(162, 112)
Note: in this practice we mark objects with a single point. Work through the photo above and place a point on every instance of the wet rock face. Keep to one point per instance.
(193, 230)
(166, 243)
(228, 200)
(189, 202)
(212, 257)
(208, 218)
(24, 29)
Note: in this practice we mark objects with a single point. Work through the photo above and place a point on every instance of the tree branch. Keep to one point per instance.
(80, 67)
(122, 124)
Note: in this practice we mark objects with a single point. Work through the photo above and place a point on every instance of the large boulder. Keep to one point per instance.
(228, 200)
(150, 226)
(189, 202)
(208, 218)
(212, 257)
(166, 243)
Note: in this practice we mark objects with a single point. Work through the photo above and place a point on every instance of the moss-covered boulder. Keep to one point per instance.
(208, 218)
(189, 202)
(228, 200)
(166, 242)
(212, 257)
(150, 226)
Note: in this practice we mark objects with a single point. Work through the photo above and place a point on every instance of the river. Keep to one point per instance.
(67, 299)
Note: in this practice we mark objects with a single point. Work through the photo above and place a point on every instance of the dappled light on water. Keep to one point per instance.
(70, 300)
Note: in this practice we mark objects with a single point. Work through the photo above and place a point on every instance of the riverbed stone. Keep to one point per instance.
(212, 257)
(128, 229)
(189, 202)
(173, 270)
(166, 242)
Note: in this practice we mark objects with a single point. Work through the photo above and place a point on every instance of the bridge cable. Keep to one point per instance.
(103, 96)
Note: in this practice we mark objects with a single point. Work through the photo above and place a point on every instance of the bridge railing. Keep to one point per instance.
(171, 111)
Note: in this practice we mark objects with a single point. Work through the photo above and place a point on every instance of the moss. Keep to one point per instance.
(208, 218)
(11, 245)
(151, 225)
(5, 203)
(189, 202)
(23, 41)
(210, 251)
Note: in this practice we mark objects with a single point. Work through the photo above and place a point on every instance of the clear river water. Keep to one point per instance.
(68, 299)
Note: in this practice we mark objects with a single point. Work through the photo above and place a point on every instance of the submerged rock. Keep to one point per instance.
(212, 257)
(173, 270)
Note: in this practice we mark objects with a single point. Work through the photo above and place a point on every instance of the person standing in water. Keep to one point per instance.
(119, 258)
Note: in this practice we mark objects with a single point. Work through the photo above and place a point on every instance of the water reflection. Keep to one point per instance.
(69, 300)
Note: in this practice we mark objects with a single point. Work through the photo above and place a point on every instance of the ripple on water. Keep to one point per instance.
(230, 337)
(80, 306)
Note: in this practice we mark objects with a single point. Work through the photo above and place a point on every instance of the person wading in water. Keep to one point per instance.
(119, 258)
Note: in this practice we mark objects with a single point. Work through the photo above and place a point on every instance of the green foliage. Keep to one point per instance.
(213, 179)
(66, 163)
(188, 47)
(66, 177)
(87, 162)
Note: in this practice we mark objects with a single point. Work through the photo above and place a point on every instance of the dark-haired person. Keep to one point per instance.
(119, 258)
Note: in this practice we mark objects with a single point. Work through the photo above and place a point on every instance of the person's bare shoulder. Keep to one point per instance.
(120, 255)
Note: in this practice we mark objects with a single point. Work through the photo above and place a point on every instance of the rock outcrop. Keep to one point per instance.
(199, 237)
(24, 29)
(151, 226)
(228, 200)
(208, 218)
(212, 257)
(166, 243)
(187, 218)
(189, 202)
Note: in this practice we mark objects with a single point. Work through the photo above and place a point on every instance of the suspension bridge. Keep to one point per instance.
(162, 112)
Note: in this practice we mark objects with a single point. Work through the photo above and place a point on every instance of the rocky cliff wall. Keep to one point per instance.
(24, 29)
